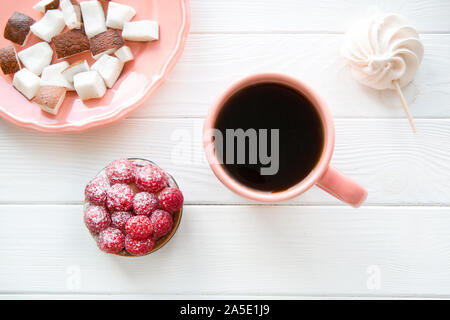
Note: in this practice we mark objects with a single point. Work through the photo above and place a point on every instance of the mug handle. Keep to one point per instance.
(341, 187)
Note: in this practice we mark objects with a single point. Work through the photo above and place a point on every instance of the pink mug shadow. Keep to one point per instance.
(323, 175)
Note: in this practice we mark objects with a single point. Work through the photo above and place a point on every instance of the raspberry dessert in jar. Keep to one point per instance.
(132, 207)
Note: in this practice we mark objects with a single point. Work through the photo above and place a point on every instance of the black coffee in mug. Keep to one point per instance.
(269, 122)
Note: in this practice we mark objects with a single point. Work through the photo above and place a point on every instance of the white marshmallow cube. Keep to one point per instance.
(145, 30)
(37, 57)
(124, 54)
(118, 14)
(27, 83)
(93, 18)
(89, 85)
(74, 69)
(109, 68)
(49, 26)
(72, 14)
(52, 76)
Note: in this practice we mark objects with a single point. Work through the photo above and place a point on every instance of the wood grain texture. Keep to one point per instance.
(223, 251)
(310, 16)
(212, 62)
(396, 166)
(227, 247)
(94, 296)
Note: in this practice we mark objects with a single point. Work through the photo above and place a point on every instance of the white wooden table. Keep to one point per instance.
(396, 245)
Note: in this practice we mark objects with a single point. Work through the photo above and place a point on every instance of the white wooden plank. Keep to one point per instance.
(396, 166)
(257, 251)
(212, 62)
(132, 297)
(236, 250)
(93, 296)
(310, 16)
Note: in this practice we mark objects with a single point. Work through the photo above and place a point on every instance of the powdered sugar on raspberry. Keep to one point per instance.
(114, 205)
(121, 171)
(96, 191)
(162, 222)
(150, 179)
(139, 247)
(144, 203)
(139, 227)
(119, 219)
(96, 218)
(111, 240)
(170, 199)
(120, 198)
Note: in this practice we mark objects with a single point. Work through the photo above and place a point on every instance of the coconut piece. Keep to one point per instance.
(50, 98)
(49, 26)
(9, 61)
(109, 68)
(36, 57)
(70, 43)
(18, 28)
(124, 54)
(27, 83)
(45, 5)
(72, 13)
(93, 18)
(105, 43)
(118, 14)
(144, 30)
(75, 68)
(52, 76)
(89, 85)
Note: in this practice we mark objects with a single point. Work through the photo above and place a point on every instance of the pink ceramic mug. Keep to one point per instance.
(323, 175)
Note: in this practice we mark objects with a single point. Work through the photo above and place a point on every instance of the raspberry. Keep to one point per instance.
(121, 171)
(139, 247)
(96, 218)
(171, 199)
(120, 198)
(139, 227)
(162, 223)
(96, 191)
(111, 240)
(144, 203)
(119, 219)
(151, 179)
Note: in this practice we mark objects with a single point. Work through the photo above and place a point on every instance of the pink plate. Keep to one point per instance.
(139, 80)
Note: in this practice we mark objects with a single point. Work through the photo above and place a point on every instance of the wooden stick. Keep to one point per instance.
(404, 105)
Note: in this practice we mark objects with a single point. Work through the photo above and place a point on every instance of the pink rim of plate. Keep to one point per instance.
(305, 184)
(121, 112)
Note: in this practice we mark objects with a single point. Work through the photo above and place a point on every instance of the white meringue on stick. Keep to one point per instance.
(404, 105)
(384, 53)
